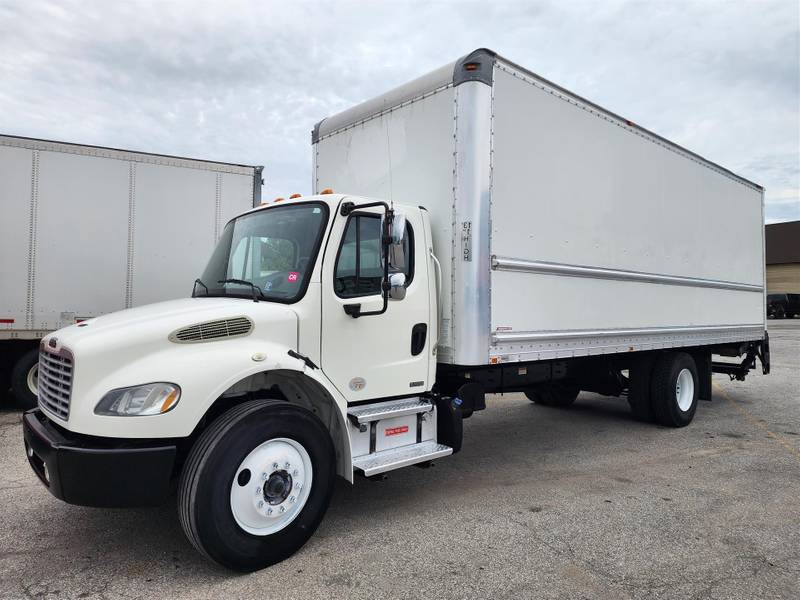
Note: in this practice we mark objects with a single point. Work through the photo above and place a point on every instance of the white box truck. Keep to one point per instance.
(86, 230)
(493, 233)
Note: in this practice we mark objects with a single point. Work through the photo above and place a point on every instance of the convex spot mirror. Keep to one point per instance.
(397, 286)
(398, 232)
(397, 240)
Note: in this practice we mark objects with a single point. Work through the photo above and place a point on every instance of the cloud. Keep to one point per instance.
(245, 81)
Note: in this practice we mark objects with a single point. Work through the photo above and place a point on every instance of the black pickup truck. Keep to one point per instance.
(783, 306)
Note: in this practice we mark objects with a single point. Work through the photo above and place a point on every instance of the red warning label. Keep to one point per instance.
(396, 430)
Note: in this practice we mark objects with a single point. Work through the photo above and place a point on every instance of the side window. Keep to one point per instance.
(359, 268)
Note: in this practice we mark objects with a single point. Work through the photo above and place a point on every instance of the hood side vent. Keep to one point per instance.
(212, 330)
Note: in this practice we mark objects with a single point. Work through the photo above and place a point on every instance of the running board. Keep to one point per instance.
(388, 460)
(360, 415)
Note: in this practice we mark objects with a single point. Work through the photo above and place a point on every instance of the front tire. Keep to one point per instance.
(223, 514)
(25, 380)
(674, 389)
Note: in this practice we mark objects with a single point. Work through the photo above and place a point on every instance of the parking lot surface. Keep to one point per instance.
(540, 503)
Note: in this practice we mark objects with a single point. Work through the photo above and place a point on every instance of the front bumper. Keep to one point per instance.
(97, 471)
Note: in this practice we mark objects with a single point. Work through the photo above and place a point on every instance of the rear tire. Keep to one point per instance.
(557, 395)
(780, 312)
(674, 389)
(24, 380)
(225, 462)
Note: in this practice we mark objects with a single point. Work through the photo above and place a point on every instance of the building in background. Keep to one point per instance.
(783, 258)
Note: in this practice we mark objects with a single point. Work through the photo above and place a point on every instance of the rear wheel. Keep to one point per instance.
(25, 379)
(256, 484)
(553, 395)
(674, 388)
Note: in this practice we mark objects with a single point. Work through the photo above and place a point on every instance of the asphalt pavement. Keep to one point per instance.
(541, 503)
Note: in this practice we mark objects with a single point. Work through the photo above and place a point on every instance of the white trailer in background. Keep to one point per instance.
(86, 230)
(490, 232)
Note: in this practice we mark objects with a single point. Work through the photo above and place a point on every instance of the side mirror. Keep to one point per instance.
(398, 229)
(397, 286)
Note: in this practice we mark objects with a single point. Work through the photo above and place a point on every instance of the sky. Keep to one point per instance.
(244, 82)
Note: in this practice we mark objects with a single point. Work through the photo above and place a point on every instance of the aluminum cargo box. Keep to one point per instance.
(563, 229)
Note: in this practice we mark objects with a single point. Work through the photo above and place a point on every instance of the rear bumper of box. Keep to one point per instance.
(97, 471)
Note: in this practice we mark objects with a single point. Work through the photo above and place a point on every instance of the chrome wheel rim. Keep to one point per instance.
(271, 486)
(684, 390)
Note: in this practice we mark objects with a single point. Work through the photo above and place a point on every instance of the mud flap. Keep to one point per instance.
(449, 423)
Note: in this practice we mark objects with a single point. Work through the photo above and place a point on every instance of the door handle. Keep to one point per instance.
(418, 334)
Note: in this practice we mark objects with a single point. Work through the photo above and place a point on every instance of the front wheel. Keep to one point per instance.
(256, 484)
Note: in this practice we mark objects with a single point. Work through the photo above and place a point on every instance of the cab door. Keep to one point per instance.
(383, 355)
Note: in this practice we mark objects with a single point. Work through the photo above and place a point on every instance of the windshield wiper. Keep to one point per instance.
(252, 285)
(194, 287)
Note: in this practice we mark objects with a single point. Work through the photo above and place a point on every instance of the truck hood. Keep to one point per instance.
(141, 345)
(153, 323)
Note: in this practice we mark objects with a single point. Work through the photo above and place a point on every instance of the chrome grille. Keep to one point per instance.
(212, 330)
(55, 383)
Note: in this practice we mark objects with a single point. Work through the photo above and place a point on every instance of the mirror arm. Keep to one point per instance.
(354, 310)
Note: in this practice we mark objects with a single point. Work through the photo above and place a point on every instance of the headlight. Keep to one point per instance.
(139, 400)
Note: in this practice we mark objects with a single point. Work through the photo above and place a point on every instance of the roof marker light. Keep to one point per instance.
(293, 196)
(326, 191)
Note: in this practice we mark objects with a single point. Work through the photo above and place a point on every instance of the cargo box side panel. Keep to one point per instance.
(598, 228)
(405, 155)
(16, 175)
(176, 212)
(81, 238)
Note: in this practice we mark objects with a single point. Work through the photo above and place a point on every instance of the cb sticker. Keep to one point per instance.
(357, 384)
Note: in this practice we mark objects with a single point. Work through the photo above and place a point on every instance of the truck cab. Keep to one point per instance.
(310, 314)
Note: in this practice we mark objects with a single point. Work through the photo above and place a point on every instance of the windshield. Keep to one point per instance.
(273, 249)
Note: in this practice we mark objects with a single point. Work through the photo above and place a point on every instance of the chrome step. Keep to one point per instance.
(388, 460)
(391, 409)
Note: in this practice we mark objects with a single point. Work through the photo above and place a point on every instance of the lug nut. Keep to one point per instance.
(283, 509)
(258, 490)
(286, 465)
(263, 476)
(291, 499)
(299, 486)
(269, 511)
(275, 466)
(260, 504)
(294, 473)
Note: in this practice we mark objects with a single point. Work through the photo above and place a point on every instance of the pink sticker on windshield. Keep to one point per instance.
(293, 275)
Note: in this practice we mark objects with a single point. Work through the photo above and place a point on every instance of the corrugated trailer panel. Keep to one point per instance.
(16, 166)
(174, 228)
(81, 238)
(572, 187)
(88, 230)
